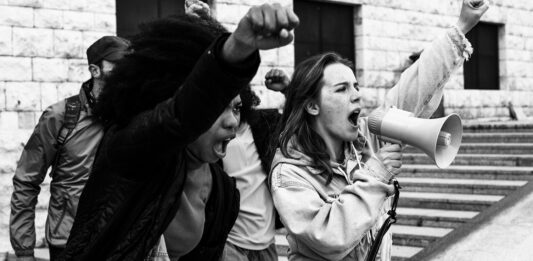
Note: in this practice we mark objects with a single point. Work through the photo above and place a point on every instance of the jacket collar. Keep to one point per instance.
(86, 97)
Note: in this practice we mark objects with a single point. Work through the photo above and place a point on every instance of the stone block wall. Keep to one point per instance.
(42, 60)
(388, 31)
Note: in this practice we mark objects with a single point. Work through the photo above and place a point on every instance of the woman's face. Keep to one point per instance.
(211, 145)
(338, 106)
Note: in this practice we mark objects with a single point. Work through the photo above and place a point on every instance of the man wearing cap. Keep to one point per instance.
(65, 139)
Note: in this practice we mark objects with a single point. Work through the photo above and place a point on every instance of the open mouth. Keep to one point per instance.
(354, 117)
(220, 147)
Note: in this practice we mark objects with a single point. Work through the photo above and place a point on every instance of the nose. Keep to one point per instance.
(231, 121)
(355, 95)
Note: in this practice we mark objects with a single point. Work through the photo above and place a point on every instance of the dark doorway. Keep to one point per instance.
(323, 27)
(131, 13)
(482, 70)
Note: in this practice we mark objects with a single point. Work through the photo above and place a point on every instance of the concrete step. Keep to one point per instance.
(487, 148)
(463, 186)
(498, 126)
(282, 245)
(403, 253)
(424, 217)
(416, 236)
(498, 137)
(475, 159)
(467, 172)
(449, 201)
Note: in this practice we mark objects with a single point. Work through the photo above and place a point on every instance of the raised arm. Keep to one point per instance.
(420, 87)
(225, 67)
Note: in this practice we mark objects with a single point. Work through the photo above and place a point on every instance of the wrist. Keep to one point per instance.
(235, 51)
(378, 170)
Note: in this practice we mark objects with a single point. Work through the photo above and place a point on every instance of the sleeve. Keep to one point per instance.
(176, 122)
(36, 158)
(329, 228)
(420, 88)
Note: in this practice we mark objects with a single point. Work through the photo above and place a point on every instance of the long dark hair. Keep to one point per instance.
(163, 55)
(296, 123)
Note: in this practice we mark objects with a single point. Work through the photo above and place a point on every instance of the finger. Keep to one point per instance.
(281, 16)
(269, 16)
(255, 15)
(395, 164)
(293, 19)
(392, 148)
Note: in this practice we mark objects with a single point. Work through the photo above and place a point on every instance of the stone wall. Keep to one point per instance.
(42, 60)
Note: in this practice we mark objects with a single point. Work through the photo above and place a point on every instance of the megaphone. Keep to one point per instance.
(439, 138)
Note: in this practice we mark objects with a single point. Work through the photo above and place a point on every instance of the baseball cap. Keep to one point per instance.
(109, 48)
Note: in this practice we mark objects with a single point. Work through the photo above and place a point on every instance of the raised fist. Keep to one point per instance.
(471, 12)
(197, 8)
(264, 27)
(277, 80)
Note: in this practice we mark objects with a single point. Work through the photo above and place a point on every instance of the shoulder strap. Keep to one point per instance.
(72, 114)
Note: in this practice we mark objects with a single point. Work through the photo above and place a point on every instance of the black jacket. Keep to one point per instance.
(138, 176)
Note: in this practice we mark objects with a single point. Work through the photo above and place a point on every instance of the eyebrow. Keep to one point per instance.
(356, 84)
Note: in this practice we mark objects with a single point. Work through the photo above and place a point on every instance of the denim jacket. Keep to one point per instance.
(338, 221)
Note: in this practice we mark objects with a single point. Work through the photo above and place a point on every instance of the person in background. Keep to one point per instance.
(65, 139)
(248, 161)
(330, 177)
(171, 111)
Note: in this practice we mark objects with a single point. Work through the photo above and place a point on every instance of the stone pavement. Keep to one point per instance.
(506, 235)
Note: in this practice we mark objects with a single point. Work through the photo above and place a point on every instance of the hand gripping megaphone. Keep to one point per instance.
(439, 138)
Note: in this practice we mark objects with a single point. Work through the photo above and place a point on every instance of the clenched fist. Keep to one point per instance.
(471, 12)
(264, 27)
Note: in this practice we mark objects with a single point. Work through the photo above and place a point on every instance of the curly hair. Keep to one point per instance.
(163, 54)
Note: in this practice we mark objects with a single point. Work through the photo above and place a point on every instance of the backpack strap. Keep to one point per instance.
(72, 114)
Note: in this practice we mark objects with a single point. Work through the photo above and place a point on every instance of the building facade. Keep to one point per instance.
(43, 43)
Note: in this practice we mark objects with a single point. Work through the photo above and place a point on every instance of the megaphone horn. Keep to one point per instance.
(439, 138)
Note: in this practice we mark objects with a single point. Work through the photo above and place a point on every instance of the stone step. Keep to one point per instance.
(463, 186)
(498, 137)
(416, 236)
(501, 126)
(424, 217)
(467, 172)
(449, 201)
(487, 148)
(399, 253)
(403, 253)
(475, 159)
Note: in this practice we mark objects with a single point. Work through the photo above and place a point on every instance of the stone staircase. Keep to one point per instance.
(494, 160)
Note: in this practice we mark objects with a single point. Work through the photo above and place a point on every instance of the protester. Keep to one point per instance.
(330, 177)
(248, 161)
(65, 139)
(171, 109)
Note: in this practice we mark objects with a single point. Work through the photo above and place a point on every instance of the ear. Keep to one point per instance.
(312, 108)
(95, 71)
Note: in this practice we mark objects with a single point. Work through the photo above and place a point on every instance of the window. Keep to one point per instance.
(323, 27)
(131, 13)
(482, 70)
